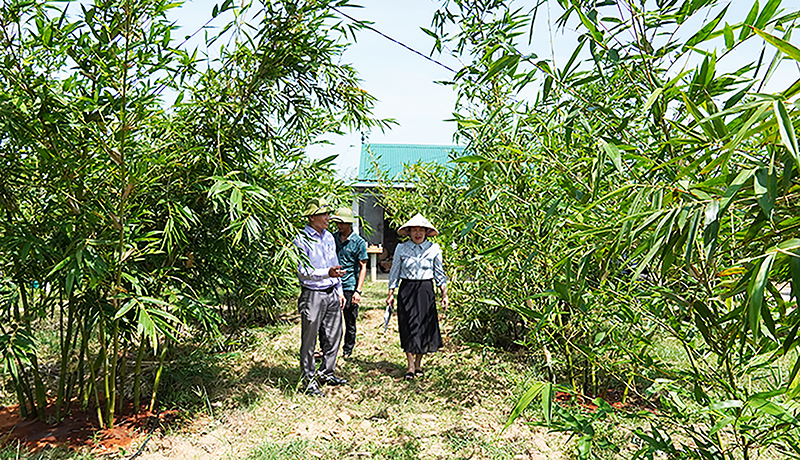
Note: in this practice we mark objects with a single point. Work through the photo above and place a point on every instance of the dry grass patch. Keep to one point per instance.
(456, 410)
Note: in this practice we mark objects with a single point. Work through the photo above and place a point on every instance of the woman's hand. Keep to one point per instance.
(390, 298)
(445, 303)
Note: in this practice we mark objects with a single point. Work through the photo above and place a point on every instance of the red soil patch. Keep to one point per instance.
(78, 431)
(612, 396)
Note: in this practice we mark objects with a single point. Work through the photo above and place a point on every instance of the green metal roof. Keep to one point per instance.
(391, 158)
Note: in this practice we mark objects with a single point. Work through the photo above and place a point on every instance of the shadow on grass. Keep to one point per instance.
(391, 369)
(199, 379)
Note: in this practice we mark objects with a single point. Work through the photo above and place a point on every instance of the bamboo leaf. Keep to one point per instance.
(768, 321)
(786, 47)
(770, 408)
(146, 327)
(524, 402)
(792, 91)
(154, 301)
(654, 248)
(728, 33)
(711, 229)
(765, 188)
(749, 21)
(613, 152)
(548, 84)
(547, 402)
(767, 13)
(788, 341)
(721, 159)
(468, 123)
(59, 266)
(743, 129)
(470, 159)
(692, 231)
(165, 316)
(607, 197)
(596, 34)
(125, 308)
(652, 98)
(699, 117)
(235, 201)
(468, 228)
(575, 53)
(795, 268)
(732, 189)
(325, 161)
(792, 382)
(507, 61)
(756, 294)
(704, 33)
(721, 423)
(787, 130)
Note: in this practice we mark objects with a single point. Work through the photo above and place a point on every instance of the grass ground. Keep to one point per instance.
(254, 408)
(246, 403)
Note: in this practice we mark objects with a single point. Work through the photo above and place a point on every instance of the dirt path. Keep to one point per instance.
(457, 410)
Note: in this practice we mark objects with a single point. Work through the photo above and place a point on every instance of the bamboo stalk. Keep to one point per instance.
(137, 377)
(41, 398)
(82, 358)
(104, 361)
(122, 378)
(66, 351)
(569, 354)
(111, 393)
(93, 388)
(157, 379)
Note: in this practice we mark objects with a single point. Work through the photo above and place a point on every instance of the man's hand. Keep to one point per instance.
(356, 298)
(445, 302)
(390, 298)
(336, 272)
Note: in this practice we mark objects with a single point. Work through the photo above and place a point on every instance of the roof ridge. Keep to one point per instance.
(391, 158)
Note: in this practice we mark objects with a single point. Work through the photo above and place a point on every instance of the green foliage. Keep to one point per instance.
(630, 205)
(130, 223)
(15, 451)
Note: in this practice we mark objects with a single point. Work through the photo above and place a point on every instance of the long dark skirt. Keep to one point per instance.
(417, 318)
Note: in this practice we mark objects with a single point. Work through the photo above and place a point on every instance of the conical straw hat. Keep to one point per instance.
(418, 221)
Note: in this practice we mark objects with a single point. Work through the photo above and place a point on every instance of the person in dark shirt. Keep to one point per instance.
(351, 249)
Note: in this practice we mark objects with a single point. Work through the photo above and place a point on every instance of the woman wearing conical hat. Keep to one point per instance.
(416, 267)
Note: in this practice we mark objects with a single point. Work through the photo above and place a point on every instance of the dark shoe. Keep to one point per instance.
(346, 354)
(313, 390)
(419, 373)
(332, 380)
(408, 376)
(317, 355)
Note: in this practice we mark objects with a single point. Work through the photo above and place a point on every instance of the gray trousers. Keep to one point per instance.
(319, 310)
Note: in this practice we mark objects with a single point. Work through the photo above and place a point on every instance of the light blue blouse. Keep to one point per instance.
(417, 262)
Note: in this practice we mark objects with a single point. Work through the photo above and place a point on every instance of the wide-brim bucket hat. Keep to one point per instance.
(344, 215)
(316, 206)
(418, 221)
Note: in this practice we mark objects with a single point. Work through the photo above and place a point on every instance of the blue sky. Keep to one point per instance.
(402, 81)
(404, 84)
